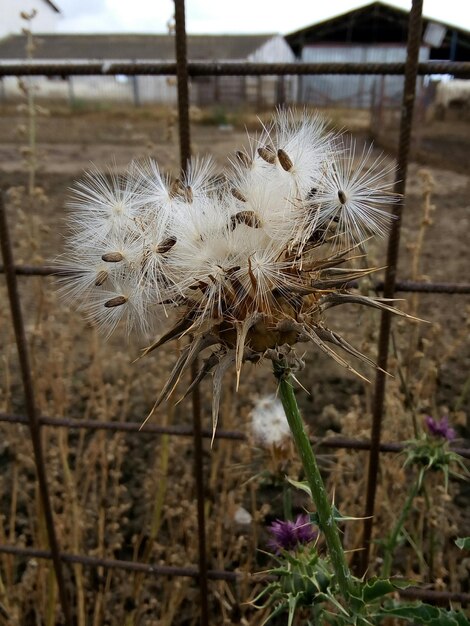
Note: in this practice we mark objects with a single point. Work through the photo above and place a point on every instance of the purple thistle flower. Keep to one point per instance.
(287, 535)
(440, 428)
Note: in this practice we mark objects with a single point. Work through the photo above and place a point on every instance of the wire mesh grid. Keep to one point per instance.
(182, 69)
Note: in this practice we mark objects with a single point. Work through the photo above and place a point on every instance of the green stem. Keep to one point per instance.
(395, 534)
(327, 522)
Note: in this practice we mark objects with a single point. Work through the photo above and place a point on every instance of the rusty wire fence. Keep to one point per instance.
(183, 70)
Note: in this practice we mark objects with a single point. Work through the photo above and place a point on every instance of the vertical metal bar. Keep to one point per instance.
(185, 153)
(411, 70)
(182, 83)
(33, 418)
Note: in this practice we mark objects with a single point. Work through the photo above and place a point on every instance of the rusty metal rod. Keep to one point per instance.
(196, 68)
(409, 92)
(185, 155)
(400, 285)
(31, 410)
(132, 566)
(187, 431)
(434, 597)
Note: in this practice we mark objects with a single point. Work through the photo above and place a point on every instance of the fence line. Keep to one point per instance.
(206, 433)
(413, 286)
(459, 69)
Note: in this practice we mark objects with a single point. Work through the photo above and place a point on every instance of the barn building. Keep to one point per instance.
(226, 90)
(373, 33)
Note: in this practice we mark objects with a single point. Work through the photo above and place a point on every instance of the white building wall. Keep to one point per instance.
(354, 91)
(11, 22)
(269, 90)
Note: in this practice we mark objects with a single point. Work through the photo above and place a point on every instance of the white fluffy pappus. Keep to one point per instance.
(103, 204)
(269, 424)
(233, 246)
(353, 193)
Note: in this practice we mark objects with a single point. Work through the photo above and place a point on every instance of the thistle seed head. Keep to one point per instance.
(251, 283)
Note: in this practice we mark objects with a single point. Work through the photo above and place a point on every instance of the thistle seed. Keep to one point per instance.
(112, 257)
(188, 194)
(267, 154)
(166, 245)
(312, 193)
(285, 160)
(244, 217)
(236, 194)
(243, 158)
(117, 301)
(342, 196)
(101, 278)
(175, 188)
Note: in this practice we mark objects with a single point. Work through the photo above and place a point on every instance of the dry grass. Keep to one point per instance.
(132, 496)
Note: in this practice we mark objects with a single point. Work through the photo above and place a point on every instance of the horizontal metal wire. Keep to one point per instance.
(404, 285)
(135, 68)
(434, 597)
(131, 566)
(187, 431)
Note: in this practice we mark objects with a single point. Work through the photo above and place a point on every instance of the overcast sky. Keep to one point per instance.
(229, 16)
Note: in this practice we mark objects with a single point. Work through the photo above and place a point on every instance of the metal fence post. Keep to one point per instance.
(31, 410)
(411, 69)
(185, 154)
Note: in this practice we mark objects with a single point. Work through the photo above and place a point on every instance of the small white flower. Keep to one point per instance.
(242, 517)
(269, 423)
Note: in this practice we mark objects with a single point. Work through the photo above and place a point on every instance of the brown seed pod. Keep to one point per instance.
(112, 257)
(117, 301)
(285, 160)
(243, 158)
(267, 154)
(101, 278)
(244, 217)
(342, 196)
(236, 194)
(166, 245)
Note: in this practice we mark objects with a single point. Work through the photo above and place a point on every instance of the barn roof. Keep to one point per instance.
(379, 23)
(124, 46)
